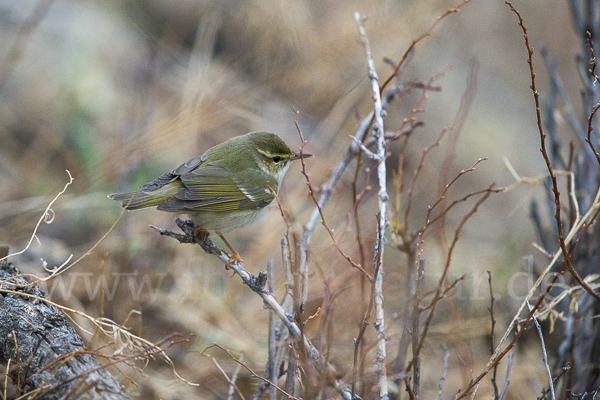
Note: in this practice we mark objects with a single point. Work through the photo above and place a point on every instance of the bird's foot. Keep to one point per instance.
(234, 258)
(200, 233)
(188, 227)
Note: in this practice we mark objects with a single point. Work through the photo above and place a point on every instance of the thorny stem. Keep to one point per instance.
(592, 72)
(557, 214)
(439, 291)
(312, 194)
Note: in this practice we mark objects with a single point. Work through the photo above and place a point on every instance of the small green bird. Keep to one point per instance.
(226, 188)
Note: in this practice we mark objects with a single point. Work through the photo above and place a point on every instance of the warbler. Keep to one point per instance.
(226, 188)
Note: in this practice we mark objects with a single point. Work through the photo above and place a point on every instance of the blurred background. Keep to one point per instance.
(119, 92)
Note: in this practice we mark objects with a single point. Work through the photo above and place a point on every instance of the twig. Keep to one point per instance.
(413, 182)
(439, 290)
(378, 134)
(278, 328)
(270, 371)
(539, 330)
(312, 194)
(591, 117)
(327, 190)
(545, 391)
(491, 310)
(365, 323)
(411, 395)
(575, 230)
(416, 316)
(44, 217)
(232, 385)
(443, 379)
(499, 355)
(290, 379)
(557, 214)
(507, 377)
(243, 364)
(257, 285)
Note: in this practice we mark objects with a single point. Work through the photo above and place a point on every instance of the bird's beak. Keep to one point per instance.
(298, 156)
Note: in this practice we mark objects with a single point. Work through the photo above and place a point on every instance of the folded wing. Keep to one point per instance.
(214, 189)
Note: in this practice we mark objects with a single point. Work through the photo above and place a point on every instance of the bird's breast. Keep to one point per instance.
(223, 222)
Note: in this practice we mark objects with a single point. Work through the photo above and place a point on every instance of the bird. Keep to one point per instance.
(224, 189)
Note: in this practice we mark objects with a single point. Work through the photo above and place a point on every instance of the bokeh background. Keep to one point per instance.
(118, 92)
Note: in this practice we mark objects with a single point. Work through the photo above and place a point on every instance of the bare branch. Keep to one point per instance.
(379, 135)
(312, 194)
(491, 309)
(43, 217)
(507, 377)
(243, 364)
(443, 379)
(257, 285)
(539, 330)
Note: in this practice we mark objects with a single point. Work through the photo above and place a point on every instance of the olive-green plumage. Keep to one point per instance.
(224, 189)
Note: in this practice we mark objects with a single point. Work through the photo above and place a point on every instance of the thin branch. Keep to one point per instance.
(290, 379)
(257, 285)
(411, 395)
(243, 364)
(507, 377)
(379, 135)
(365, 322)
(231, 381)
(498, 356)
(44, 217)
(312, 194)
(327, 189)
(563, 370)
(557, 214)
(270, 370)
(416, 315)
(545, 359)
(443, 379)
(592, 72)
(416, 175)
(439, 291)
(491, 310)
(576, 231)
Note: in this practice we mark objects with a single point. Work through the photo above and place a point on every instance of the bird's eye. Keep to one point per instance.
(276, 159)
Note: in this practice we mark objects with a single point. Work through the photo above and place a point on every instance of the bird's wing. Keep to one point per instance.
(214, 189)
(170, 176)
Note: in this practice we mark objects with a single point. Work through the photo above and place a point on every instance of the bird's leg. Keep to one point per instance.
(235, 257)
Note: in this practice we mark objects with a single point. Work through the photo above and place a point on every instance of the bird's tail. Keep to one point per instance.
(141, 199)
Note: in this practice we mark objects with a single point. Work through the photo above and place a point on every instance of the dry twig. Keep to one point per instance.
(380, 155)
